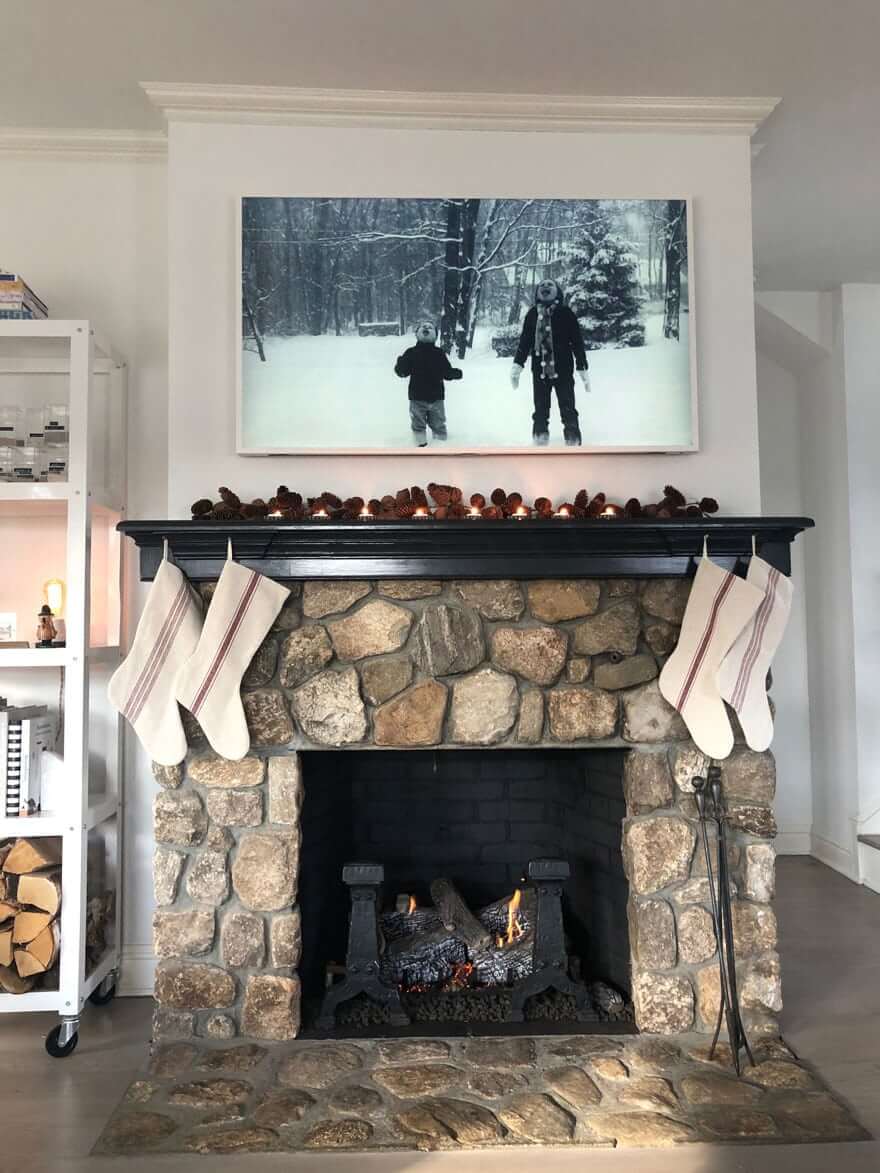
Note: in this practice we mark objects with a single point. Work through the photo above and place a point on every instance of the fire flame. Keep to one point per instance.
(412, 906)
(461, 976)
(514, 928)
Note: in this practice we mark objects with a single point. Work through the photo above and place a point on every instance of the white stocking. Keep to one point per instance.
(142, 687)
(719, 607)
(243, 608)
(743, 674)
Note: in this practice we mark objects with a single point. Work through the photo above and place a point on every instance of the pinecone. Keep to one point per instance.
(674, 496)
(229, 498)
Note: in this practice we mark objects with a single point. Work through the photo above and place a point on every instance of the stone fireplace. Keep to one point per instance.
(457, 727)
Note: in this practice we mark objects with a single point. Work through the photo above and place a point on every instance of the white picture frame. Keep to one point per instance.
(246, 447)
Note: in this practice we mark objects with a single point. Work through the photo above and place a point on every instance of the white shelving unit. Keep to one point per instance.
(50, 361)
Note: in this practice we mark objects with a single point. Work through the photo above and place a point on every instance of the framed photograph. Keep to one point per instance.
(371, 326)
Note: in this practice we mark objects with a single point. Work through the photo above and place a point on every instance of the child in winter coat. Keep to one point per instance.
(426, 367)
(552, 335)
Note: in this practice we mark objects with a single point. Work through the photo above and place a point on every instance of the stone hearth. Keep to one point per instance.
(422, 1093)
(417, 664)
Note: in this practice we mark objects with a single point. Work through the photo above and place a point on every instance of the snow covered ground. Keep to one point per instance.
(330, 393)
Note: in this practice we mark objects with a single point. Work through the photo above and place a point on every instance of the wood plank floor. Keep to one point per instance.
(54, 1110)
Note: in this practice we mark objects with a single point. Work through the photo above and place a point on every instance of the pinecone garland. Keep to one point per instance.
(448, 501)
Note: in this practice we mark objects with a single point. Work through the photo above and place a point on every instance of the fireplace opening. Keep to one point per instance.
(463, 888)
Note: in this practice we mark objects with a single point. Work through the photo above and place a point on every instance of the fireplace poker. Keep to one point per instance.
(708, 794)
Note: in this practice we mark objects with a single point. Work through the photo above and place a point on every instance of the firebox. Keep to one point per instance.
(463, 887)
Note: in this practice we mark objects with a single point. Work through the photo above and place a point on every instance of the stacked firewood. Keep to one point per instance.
(30, 903)
(442, 502)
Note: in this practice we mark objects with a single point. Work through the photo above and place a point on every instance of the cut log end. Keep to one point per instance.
(31, 855)
(455, 915)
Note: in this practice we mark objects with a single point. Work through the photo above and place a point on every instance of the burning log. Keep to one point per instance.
(457, 918)
(423, 959)
(504, 963)
(496, 916)
(396, 925)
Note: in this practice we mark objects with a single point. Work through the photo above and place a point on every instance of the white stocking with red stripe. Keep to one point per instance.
(719, 607)
(743, 675)
(244, 606)
(142, 687)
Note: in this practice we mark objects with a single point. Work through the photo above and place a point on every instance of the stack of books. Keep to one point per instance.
(18, 300)
(25, 735)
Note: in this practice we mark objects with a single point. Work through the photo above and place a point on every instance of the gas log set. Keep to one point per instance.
(506, 962)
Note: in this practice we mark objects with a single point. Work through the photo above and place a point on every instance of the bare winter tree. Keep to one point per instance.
(676, 246)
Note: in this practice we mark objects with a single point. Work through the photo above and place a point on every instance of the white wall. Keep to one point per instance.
(860, 312)
(211, 166)
(782, 494)
(829, 343)
(90, 236)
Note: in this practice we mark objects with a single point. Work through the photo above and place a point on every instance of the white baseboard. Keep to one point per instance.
(835, 856)
(794, 843)
(869, 867)
(137, 967)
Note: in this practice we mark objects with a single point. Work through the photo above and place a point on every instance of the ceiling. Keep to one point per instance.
(816, 180)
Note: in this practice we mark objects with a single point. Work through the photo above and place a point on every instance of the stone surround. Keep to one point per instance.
(429, 1093)
(413, 664)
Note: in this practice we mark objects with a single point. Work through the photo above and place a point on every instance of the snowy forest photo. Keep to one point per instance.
(469, 324)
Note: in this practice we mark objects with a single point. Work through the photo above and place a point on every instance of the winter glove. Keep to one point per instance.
(515, 372)
(584, 377)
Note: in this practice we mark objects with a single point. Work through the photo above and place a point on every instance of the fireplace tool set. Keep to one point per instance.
(547, 968)
(712, 809)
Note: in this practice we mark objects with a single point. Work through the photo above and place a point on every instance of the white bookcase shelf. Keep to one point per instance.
(54, 359)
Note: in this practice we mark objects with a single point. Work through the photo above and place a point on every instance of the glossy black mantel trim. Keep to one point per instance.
(559, 548)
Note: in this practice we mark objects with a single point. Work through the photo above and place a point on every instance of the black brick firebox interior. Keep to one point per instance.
(477, 817)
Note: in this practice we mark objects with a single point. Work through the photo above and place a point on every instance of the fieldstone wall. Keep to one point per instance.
(413, 664)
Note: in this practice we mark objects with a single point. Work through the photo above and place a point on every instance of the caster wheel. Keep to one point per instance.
(55, 1049)
(99, 998)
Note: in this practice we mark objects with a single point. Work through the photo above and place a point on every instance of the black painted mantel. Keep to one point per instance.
(558, 548)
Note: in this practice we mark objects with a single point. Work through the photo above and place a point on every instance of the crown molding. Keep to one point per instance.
(398, 108)
(83, 144)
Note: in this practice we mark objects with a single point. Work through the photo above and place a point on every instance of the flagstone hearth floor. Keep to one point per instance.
(468, 1093)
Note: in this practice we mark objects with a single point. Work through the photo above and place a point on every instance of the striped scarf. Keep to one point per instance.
(544, 341)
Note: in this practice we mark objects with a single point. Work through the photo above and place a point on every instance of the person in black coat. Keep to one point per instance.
(552, 335)
(426, 367)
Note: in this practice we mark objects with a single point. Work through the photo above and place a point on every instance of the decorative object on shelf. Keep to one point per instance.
(243, 607)
(55, 596)
(25, 735)
(34, 442)
(743, 677)
(142, 687)
(449, 505)
(719, 606)
(8, 627)
(331, 285)
(47, 632)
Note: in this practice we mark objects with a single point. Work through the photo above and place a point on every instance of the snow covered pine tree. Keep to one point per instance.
(602, 278)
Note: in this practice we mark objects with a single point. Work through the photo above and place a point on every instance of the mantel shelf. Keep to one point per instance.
(558, 548)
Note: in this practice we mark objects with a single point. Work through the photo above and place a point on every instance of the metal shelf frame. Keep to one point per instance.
(75, 349)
